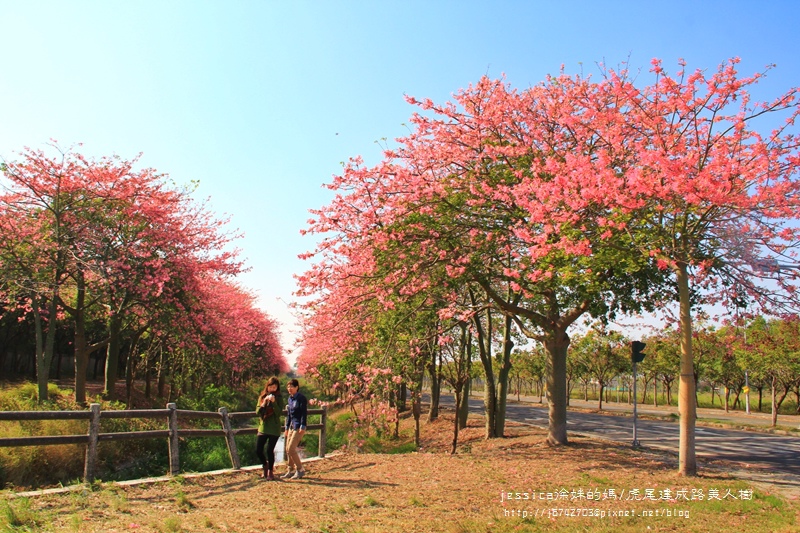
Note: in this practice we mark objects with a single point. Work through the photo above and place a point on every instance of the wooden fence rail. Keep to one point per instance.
(173, 433)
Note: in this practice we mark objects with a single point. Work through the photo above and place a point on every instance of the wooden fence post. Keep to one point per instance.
(229, 438)
(174, 459)
(323, 432)
(91, 447)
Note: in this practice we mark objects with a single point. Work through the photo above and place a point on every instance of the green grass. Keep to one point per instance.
(171, 525)
(789, 406)
(415, 502)
(117, 501)
(340, 434)
(596, 480)
(18, 516)
(183, 502)
(75, 522)
(389, 445)
(369, 501)
(291, 520)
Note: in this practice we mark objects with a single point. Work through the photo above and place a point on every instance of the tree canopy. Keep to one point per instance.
(572, 198)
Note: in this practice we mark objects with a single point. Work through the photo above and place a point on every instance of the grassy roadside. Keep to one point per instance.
(708, 417)
(704, 400)
(702, 421)
(503, 485)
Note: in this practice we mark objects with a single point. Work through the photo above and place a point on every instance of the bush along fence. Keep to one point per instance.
(173, 433)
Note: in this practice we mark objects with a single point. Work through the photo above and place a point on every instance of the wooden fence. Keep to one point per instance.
(173, 433)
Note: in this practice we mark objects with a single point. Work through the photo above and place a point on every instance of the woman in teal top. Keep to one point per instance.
(269, 409)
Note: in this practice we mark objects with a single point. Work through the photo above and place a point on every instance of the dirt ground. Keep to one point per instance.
(517, 483)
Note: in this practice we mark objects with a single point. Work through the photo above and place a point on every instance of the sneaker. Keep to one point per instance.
(299, 474)
(288, 474)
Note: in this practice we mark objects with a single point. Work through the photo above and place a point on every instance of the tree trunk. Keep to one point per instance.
(96, 366)
(416, 409)
(112, 356)
(502, 380)
(556, 349)
(797, 402)
(459, 399)
(727, 397)
(436, 387)
(130, 376)
(687, 403)
(147, 376)
(402, 397)
(42, 371)
(161, 372)
(45, 345)
(668, 387)
(774, 401)
(81, 346)
(463, 409)
(600, 403)
(485, 352)
(489, 402)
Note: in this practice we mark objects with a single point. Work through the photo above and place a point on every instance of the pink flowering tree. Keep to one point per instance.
(102, 241)
(459, 195)
(368, 354)
(707, 195)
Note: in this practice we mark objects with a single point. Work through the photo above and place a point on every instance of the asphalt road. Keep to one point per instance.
(774, 454)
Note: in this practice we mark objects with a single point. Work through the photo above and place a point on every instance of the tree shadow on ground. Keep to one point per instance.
(347, 483)
(350, 467)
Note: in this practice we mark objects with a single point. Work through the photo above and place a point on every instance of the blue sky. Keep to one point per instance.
(261, 101)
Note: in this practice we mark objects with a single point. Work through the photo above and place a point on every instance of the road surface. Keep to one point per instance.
(759, 456)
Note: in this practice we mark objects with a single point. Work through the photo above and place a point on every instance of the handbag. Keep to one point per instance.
(266, 411)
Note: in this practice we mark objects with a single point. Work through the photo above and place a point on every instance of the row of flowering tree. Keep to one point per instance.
(129, 265)
(763, 354)
(571, 199)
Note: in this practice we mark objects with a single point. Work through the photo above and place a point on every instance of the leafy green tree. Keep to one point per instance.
(665, 357)
(604, 355)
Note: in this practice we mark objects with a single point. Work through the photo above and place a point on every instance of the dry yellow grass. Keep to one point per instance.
(432, 491)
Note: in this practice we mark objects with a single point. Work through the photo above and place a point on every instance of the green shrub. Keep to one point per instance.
(246, 446)
(202, 454)
(213, 397)
(337, 430)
